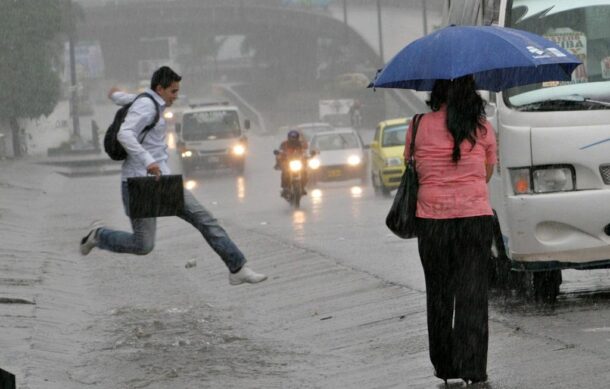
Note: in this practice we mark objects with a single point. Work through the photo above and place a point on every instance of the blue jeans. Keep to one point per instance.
(142, 240)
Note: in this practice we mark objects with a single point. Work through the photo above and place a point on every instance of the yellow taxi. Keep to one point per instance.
(387, 160)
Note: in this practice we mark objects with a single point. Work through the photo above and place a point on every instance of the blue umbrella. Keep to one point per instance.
(498, 57)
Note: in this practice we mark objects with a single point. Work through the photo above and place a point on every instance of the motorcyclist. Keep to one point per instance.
(292, 148)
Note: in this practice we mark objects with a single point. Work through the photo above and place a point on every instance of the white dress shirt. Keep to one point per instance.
(153, 148)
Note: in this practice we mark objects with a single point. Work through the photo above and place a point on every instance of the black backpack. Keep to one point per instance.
(112, 146)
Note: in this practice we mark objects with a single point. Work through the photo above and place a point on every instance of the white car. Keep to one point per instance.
(309, 129)
(339, 155)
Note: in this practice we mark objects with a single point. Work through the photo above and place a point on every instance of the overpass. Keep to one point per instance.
(296, 48)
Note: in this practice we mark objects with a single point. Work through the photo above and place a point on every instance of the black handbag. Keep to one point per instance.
(401, 219)
(154, 197)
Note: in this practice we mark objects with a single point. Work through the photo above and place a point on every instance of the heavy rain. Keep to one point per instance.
(332, 297)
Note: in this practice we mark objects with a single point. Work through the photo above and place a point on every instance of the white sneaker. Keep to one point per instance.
(246, 275)
(89, 241)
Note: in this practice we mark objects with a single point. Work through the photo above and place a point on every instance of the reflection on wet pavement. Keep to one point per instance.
(356, 192)
(241, 188)
(299, 218)
(171, 141)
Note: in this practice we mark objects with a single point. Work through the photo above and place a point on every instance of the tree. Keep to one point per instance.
(29, 76)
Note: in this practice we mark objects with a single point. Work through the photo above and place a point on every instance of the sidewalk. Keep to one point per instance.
(112, 321)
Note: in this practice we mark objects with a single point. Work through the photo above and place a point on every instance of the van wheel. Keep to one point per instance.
(546, 285)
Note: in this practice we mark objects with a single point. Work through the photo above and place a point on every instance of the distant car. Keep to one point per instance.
(339, 155)
(307, 130)
(310, 129)
(387, 160)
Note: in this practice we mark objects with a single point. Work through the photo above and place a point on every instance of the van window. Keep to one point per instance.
(208, 125)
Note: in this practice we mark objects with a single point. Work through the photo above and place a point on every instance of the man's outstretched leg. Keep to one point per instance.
(219, 240)
(140, 242)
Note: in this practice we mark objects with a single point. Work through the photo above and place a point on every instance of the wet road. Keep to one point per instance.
(345, 221)
(344, 306)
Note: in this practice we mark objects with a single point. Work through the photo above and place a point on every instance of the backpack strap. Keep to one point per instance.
(156, 118)
(415, 124)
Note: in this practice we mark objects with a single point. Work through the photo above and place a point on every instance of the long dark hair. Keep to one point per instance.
(465, 110)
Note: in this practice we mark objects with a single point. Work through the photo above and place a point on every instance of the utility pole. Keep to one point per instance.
(345, 25)
(380, 28)
(424, 16)
(73, 80)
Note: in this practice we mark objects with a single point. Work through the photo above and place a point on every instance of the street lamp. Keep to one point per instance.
(73, 81)
(379, 26)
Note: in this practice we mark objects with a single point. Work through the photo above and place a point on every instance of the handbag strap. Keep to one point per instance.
(415, 124)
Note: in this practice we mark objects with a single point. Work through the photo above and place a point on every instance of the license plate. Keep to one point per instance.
(213, 159)
(334, 173)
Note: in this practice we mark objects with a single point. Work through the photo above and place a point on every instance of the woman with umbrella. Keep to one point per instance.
(455, 153)
(455, 150)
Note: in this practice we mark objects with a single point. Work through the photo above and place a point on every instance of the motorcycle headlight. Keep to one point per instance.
(543, 179)
(168, 114)
(394, 161)
(187, 154)
(314, 163)
(239, 149)
(353, 160)
(295, 165)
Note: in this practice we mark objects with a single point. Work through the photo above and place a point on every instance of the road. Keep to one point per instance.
(344, 306)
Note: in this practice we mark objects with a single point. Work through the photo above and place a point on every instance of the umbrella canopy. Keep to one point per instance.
(498, 57)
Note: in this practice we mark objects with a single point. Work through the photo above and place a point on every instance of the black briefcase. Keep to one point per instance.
(152, 197)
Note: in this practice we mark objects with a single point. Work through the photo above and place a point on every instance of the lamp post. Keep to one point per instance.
(380, 31)
(424, 16)
(345, 25)
(73, 80)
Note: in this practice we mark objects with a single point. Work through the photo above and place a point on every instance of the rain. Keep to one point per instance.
(344, 304)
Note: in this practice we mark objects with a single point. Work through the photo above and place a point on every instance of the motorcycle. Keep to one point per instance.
(294, 190)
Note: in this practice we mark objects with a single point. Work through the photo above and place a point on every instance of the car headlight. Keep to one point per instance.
(168, 114)
(187, 154)
(314, 163)
(544, 179)
(295, 165)
(353, 160)
(394, 161)
(239, 149)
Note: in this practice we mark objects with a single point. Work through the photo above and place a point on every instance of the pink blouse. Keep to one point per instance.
(447, 190)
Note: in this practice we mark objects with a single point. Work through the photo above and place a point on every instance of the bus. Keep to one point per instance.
(551, 190)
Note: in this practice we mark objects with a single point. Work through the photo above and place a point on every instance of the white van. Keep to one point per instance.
(210, 137)
(551, 191)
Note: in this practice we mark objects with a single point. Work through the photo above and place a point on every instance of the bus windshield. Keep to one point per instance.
(581, 27)
(209, 125)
